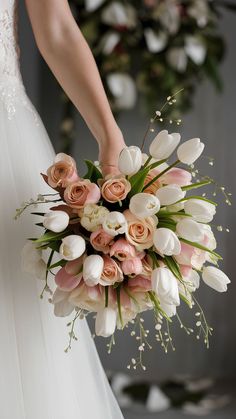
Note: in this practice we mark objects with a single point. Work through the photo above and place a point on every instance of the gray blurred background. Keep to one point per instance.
(213, 119)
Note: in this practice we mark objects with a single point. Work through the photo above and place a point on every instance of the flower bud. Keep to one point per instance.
(92, 269)
(166, 242)
(105, 324)
(169, 194)
(164, 144)
(200, 210)
(190, 230)
(56, 221)
(130, 160)
(189, 151)
(215, 278)
(144, 205)
(115, 223)
(72, 247)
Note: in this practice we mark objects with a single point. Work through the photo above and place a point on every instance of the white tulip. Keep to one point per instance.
(32, 262)
(169, 309)
(195, 49)
(156, 42)
(91, 5)
(189, 151)
(166, 242)
(200, 210)
(62, 306)
(144, 205)
(72, 247)
(115, 223)
(164, 144)
(189, 229)
(170, 194)
(123, 88)
(92, 269)
(105, 324)
(130, 160)
(92, 216)
(56, 221)
(215, 278)
(165, 286)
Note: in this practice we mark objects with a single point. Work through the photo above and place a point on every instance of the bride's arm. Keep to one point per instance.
(67, 53)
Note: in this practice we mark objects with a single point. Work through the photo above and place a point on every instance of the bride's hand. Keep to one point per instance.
(109, 154)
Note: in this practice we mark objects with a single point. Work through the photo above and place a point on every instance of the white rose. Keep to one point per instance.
(165, 286)
(164, 144)
(32, 262)
(56, 221)
(190, 230)
(215, 278)
(115, 223)
(92, 269)
(170, 194)
(189, 151)
(130, 160)
(92, 216)
(105, 324)
(72, 247)
(166, 242)
(200, 210)
(144, 205)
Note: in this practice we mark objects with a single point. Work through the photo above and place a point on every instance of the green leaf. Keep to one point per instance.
(166, 214)
(106, 296)
(39, 224)
(51, 236)
(182, 296)
(197, 197)
(93, 174)
(49, 263)
(173, 267)
(196, 185)
(61, 263)
(200, 246)
(41, 214)
(137, 181)
(119, 306)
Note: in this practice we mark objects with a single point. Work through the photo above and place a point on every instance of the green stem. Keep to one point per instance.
(106, 296)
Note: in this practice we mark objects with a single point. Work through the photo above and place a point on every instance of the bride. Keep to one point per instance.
(38, 380)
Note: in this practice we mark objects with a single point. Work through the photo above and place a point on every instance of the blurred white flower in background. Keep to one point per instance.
(120, 15)
(123, 88)
(195, 49)
(91, 5)
(156, 42)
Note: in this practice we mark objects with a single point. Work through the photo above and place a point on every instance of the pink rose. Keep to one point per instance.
(101, 241)
(122, 249)
(155, 185)
(88, 298)
(69, 277)
(147, 266)
(82, 192)
(140, 284)
(115, 189)
(176, 176)
(62, 172)
(132, 266)
(140, 232)
(111, 272)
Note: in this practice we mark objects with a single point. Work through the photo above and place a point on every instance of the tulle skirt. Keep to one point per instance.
(38, 380)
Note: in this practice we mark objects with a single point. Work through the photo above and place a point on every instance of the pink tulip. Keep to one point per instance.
(140, 284)
(176, 176)
(69, 277)
(122, 249)
(88, 298)
(132, 266)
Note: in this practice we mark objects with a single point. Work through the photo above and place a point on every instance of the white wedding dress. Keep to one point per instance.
(37, 379)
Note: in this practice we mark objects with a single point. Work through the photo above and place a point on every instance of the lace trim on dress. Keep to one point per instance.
(12, 91)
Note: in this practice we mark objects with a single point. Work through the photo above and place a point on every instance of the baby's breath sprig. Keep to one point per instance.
(72, 336)
(202, 324)
(111, 344)
(41, 199)
(187, 329)
(141, 335)
(158, 117)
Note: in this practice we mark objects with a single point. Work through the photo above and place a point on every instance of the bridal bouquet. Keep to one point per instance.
(128, 243)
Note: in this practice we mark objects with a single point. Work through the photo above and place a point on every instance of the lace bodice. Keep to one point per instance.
(12, 90)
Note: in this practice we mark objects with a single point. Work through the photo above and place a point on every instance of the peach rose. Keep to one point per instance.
(82, 192)
(115, 189)
(122, 249)
(101, 241)
(111, 272)
(62, 172)
(140, 232)
(155, 185)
